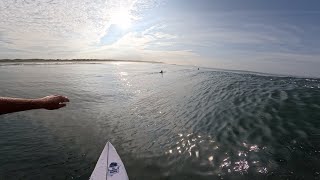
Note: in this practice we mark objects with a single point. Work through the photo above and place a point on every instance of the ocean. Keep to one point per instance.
(183, 124)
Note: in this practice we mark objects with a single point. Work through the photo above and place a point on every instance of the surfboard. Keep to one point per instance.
(109, 166)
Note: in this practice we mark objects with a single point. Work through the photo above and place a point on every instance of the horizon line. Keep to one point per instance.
(69, 60)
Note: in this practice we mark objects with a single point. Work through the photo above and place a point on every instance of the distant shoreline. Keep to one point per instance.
(70, 60)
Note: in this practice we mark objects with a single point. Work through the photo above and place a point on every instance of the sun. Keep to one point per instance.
(122, 18)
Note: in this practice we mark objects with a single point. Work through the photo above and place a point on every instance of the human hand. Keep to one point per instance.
(53, 102)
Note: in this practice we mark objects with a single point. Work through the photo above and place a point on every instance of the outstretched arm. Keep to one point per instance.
(9, 105)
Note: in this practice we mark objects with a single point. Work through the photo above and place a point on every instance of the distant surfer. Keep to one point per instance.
(198, 69)
(161, 72)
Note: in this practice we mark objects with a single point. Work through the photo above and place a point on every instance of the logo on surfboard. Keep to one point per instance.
(113, 168)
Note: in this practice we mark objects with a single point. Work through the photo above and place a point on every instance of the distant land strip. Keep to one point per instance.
(71, 60)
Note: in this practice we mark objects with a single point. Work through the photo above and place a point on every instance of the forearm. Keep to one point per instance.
(9, 105)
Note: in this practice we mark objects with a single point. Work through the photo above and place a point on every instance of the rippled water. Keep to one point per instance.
(184, 124)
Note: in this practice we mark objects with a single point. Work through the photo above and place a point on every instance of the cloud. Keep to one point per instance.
(136, 45)
(238, 34)
(74, 29)
(55, 26)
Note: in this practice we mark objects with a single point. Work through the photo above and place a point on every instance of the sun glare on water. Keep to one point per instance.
(122, 18)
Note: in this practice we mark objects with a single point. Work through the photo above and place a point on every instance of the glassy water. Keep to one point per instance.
(184, 124)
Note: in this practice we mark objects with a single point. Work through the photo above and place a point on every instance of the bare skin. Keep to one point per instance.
(10, 105)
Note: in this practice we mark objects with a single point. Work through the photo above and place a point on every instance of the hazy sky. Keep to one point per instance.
(277, 36)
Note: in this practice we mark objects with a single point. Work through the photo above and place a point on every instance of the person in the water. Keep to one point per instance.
(161, 71)
(10, 105)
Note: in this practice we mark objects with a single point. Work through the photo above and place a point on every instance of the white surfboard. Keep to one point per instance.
(109, 166)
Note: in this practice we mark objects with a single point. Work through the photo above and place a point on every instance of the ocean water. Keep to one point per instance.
(184, 124)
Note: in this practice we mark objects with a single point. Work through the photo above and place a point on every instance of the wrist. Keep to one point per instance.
(37, 103)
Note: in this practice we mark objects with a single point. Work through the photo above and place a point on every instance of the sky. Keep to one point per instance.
(274, 36)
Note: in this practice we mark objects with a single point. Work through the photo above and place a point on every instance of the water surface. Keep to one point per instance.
(184, 124)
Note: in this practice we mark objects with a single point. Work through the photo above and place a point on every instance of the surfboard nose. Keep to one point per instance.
(109, 165)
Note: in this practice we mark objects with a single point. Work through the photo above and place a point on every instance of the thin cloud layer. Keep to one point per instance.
(59, 26)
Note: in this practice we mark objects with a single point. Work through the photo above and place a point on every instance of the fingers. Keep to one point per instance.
(55, 106)
(61, 105)
(64, 99)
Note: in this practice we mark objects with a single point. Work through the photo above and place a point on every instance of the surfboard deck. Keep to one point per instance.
(109, 166)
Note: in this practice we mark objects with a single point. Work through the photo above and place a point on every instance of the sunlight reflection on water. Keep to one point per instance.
(197, 146)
